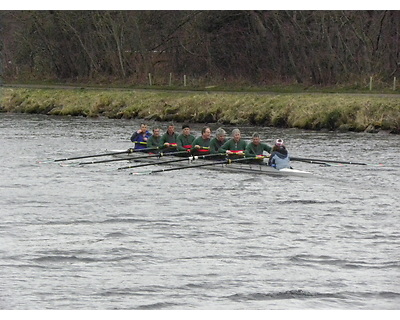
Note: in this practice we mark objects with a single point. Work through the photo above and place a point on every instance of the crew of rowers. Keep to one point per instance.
(186, 143)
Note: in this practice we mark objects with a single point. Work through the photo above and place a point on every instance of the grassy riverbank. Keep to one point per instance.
(315, 111)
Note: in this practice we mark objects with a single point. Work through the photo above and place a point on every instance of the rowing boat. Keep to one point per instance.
(252, 168)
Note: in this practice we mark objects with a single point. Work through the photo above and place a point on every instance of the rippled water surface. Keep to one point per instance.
(93, 237)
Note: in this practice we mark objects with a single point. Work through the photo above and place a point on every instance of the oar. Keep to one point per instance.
(191, 158)
(322, 161)
(130, 150)
(134, 158)
(229, 161)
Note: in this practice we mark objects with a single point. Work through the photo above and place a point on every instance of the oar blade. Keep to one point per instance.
(141, 173)
(95, 155)
(319, 161)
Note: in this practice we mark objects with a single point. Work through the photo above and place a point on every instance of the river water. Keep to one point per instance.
(92, 237)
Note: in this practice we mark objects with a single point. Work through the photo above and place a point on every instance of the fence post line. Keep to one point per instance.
(184, 80)
(394, 83)
(170, 79)
(150, 79)
(370, 83)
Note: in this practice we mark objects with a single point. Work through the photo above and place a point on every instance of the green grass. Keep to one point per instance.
(314, 111)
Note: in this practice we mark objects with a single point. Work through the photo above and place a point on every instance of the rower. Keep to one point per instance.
(256, 148)
(140, 137)
(155, 140)
(279, 158)
(169, 139)
(234, 147)
(218, 141)
(185, 139)
(201, 145)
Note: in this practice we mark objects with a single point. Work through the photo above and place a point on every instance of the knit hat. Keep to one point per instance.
(279, 142)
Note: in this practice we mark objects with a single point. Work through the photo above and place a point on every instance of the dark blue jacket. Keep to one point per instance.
(138, 139)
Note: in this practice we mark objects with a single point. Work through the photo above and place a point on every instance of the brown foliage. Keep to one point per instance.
(255, 47)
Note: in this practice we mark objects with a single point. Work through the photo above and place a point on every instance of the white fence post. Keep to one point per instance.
(370, 83)
(150, 79)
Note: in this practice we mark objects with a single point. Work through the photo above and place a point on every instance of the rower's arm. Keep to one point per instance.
(225, 147)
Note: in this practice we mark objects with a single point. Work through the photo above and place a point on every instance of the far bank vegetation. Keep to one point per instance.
(318, 111)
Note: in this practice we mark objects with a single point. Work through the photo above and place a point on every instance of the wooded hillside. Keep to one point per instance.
(252, 47)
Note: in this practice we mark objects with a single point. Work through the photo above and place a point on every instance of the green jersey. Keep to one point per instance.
(215, 144)
(233, 146)
(252, 150)
(154, 142)
(184, 142)
(204, 146)
(170, 138)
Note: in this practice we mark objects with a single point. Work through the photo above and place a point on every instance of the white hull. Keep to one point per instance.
(233, 167)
